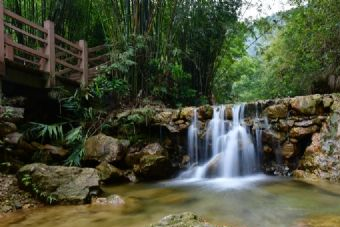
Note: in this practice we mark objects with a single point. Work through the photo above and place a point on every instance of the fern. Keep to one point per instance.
(77, 155)
(45, 131)
(74, 136)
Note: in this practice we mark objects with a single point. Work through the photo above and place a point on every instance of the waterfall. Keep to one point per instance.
(193, 139)
(229, 148)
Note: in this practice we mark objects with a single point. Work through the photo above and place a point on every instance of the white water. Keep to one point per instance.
(193, 139)
(229, 147)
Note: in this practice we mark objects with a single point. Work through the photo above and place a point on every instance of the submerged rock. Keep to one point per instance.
(112, 200)
(186, 219)
(60, 184)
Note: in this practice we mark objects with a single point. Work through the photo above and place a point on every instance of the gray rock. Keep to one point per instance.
(64, 185)
(104, 148)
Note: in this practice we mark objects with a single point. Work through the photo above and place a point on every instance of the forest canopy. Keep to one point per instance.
(192, 52)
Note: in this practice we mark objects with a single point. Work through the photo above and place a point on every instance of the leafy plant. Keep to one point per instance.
(45, 132)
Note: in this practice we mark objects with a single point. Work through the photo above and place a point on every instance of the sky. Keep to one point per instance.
(254, 10)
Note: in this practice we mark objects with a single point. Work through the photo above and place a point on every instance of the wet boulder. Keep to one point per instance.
(205, 112)
(186, 219)
(102, 148)
(60, 184)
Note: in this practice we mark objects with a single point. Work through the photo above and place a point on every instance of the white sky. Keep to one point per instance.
(262, 8)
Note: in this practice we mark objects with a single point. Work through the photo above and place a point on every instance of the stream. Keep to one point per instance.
(253, 201)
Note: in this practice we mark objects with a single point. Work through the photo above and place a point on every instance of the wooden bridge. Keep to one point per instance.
(33, 55)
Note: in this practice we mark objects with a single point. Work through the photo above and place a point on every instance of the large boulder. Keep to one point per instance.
(154, 167)
(60, 184)
(308, 105)
(134, 156)
(102, 148)
(186, 219)
(277, 111)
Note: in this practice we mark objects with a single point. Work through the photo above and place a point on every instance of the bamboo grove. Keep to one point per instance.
(160, 48)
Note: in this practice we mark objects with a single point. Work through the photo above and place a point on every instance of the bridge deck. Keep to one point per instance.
(34, 56)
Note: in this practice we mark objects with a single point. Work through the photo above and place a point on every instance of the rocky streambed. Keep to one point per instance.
(300, 138)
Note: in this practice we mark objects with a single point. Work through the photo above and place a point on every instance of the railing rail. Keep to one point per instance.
(46, 50)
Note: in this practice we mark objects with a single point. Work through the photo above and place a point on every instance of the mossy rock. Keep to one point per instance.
(186, 219)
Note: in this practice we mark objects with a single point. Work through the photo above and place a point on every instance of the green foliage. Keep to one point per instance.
(298, 55)
(45, 131)
(102, 86)
(75, 139)
(129, 121)
(26, 180)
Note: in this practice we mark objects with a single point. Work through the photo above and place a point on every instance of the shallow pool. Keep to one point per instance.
(257, 201)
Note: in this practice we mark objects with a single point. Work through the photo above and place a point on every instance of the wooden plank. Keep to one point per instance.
(50, 52)
(68, 52)
(62, 72)
(26, 60)
(84, 64)
(64, 63)
(25, 33)
(25, 48)
(2, 41)
(24, 21)
(59, 38)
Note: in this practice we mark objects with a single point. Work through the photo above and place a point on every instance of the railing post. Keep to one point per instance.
(84, 64)
(49, 66)
(9, 50)
(2, 39)
(2, 46)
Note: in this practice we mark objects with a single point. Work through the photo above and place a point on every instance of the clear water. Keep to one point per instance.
(255, 201)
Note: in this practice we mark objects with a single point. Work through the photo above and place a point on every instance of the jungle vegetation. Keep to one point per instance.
(192, 52)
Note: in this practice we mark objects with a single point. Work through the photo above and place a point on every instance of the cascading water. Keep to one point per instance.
(228, 144)
(193, 139)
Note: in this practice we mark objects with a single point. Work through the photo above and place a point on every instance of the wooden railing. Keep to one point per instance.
(39, 47)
